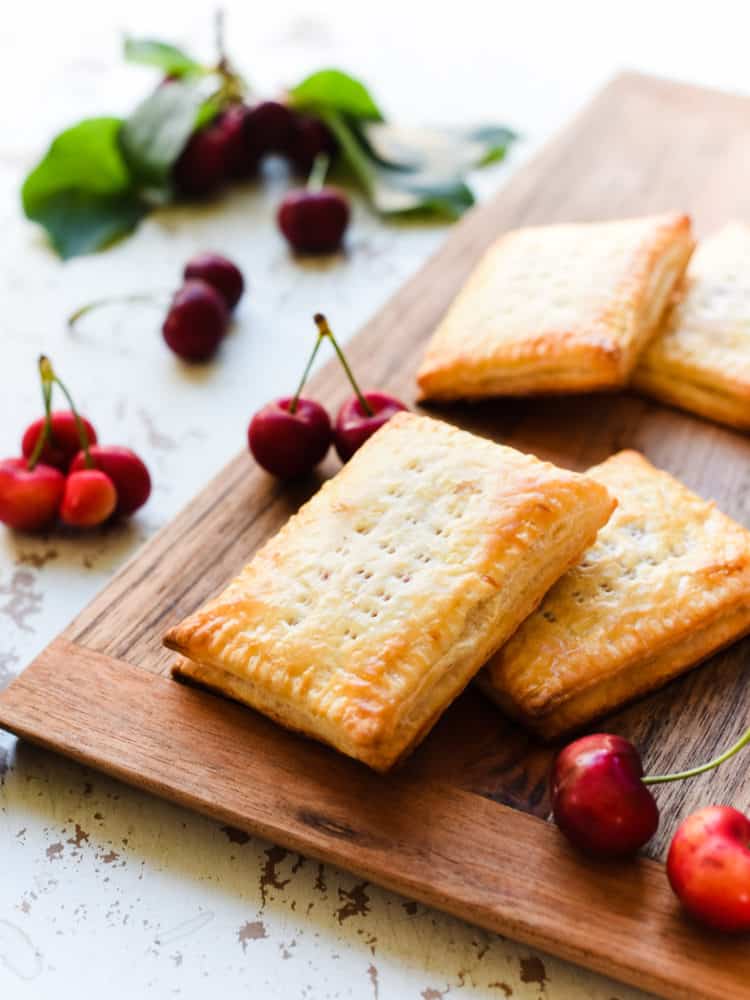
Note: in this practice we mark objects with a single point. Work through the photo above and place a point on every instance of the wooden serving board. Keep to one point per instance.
(462, 825)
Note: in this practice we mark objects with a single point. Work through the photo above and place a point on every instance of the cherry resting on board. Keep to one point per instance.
(289, 436)
(709, 867)
(364, 412)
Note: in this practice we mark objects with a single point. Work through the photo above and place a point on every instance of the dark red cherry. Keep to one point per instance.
(289, 444)
(202, 166)
(196, 322)
(354, 425)
(126, 470)
(220, 272)
(241, 160)
(310, 137)
(63, 442)
(314, 221)
(598, 799)
(269, 127)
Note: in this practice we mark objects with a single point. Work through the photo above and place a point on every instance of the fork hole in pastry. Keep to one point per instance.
(549, 616)
(388, 547)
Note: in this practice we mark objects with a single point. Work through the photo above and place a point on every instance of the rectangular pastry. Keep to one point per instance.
(666, 584)
(556, 309)
(375, 605)
(701, 360)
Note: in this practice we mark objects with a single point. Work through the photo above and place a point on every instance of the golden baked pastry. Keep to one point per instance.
(374, 606)
(701, 360)
(557, 309)
(666, 584)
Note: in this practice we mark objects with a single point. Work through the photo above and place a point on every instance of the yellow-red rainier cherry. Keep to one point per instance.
(709, 867)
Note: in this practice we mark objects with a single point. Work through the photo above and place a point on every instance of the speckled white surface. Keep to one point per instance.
(104, 890)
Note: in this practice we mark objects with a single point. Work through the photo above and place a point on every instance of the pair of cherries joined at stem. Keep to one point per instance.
(601, 802)
(291, 435)
(63, 472)
(198, 316)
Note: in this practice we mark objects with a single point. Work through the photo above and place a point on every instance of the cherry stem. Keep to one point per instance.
(325, 331)
(658, 779)
(318, 173)
(46, 434)
(219, 36)
(49, 374)
(295, 398)
(155, 298)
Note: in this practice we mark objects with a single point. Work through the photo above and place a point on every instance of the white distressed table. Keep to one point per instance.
(103, 889)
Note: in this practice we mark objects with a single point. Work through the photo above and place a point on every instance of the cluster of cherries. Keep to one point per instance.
(200, 311)
(291, 435)
(234, 144)
(602, 803)
(63, 473)
(198, 317)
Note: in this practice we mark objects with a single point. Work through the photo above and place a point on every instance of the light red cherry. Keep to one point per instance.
(29, 498)
(127, 471)
(63, 441)
(709, 867)
(89, 498)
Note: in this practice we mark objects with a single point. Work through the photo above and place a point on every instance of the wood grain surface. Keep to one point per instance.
(440, 830)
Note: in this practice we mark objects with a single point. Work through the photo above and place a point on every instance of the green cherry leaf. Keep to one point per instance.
(162, 55)
(436, 150)
(81, 191)
(156, 133)
(334, 90)
(398, 189)
(86, 156)
(79, 222)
